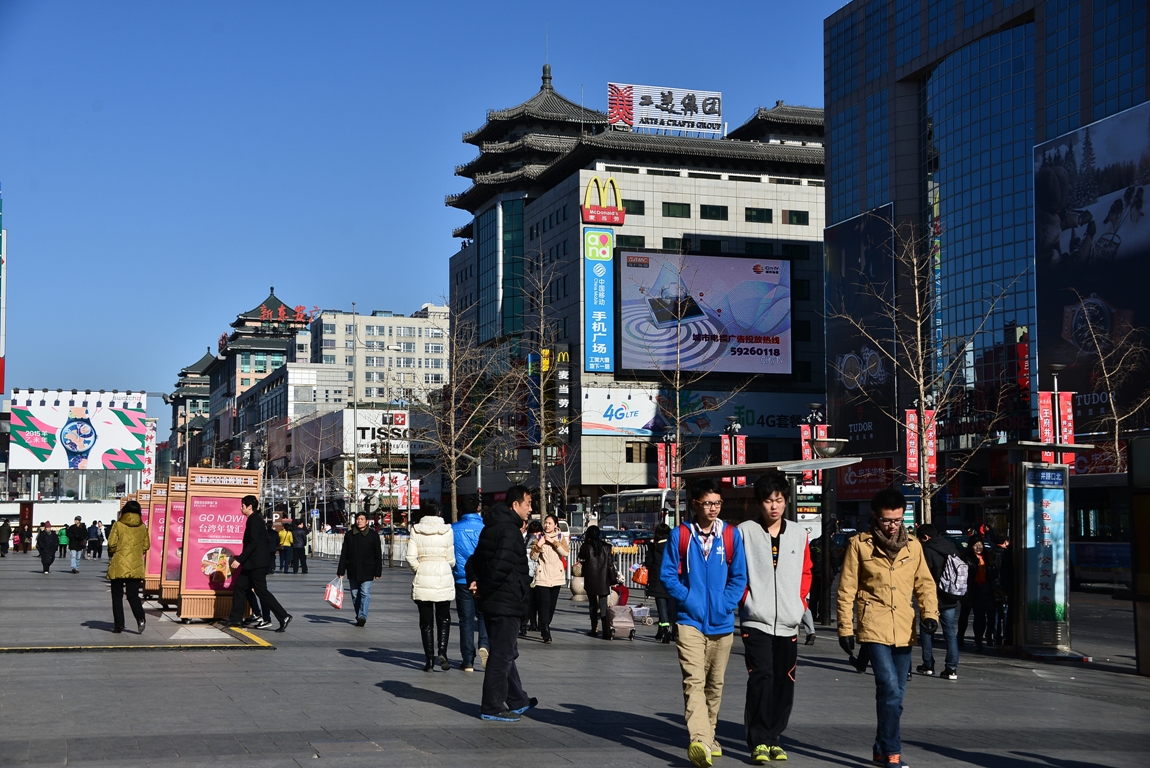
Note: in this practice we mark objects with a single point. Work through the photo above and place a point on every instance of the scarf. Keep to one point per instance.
(890, 546)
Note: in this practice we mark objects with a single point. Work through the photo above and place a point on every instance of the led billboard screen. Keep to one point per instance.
(719, 314)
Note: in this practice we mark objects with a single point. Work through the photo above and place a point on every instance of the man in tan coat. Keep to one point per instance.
(881, 570)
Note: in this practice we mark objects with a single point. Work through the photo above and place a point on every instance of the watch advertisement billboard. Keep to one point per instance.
(860, 292)
(711, 314)
(76, 437)
(647, 411)
(1092, 248)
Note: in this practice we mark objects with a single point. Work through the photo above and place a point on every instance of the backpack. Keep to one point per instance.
(728, 544)
(955, 571)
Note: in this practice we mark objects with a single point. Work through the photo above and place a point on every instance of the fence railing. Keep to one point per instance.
(329, 545)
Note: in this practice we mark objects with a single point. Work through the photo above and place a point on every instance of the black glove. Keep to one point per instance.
(847, 643)
(929, 626)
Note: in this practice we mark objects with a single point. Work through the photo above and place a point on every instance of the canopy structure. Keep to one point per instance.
(789, 467)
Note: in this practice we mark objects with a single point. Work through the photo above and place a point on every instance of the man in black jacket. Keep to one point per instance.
(362, 560)
(77, 542)
(937, 549)
(253, 563)
(497, 575)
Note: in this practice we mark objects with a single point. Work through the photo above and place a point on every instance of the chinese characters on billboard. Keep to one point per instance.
(653, 108)
(705, 313)
(1046, 555)
(66, 436)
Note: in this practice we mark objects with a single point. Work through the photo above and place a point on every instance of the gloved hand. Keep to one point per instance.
(929, 626)
(847, 643)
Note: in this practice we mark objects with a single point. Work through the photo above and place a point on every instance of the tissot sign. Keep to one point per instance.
(658, 109)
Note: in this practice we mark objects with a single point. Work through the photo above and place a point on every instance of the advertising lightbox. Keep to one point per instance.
(710, 314)
(52, 436)
(658, 108)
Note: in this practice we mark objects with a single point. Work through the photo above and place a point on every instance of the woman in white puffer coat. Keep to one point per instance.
(431, 554)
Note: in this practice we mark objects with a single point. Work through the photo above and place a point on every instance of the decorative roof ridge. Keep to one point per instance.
(546, 104)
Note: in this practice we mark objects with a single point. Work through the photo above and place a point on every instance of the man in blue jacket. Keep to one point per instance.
(705, 570)
(466, 533)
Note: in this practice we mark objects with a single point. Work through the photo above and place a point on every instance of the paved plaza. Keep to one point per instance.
(334, 694)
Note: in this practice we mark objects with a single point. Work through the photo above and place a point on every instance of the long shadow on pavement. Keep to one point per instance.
(106, 626)
(315, 618)
(1001, 761)
(408, 691)
(626, 729)
(387, 656)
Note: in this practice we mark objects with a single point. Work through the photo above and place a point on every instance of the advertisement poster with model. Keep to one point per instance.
(76, 437)
(711, 314)
(860, 289)
(1092, 245)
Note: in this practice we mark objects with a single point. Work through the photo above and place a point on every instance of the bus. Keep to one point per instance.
(643, 509)
(1100, 538)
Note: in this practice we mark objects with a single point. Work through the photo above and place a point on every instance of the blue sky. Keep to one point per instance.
(164, 163)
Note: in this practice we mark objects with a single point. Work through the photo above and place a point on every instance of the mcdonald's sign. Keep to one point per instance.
(603, 213)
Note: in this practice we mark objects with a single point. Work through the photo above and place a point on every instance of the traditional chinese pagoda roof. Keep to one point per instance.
(198, 367)
(535, 146)
(781, 119)
(545, 106)
(271, 303)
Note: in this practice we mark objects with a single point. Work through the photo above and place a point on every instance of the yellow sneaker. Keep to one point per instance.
(716, 750)
(777, 754)
(699, 754)
(761, 753)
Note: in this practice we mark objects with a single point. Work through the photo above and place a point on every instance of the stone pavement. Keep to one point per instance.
(333, 694)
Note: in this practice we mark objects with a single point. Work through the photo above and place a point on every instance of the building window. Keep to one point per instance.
(635, 207)
(677, 210)
(351, 375)
(369, 330)
(433, 349)
(434, 333)
(433, 378)
(630, 241)
(791, 182)
(797, 218)
(712, 212)
(700, 175)
(672, 244)
(349, 343)
(328, 328)
(760, 249)
(405, 362)
(758, 215)
(802, 330)
(245, 362)
(642, 453)
(711, 246)
(277, 360)
(405, 330)
(329, 359)
(329, 343)
(620, 169)
(802, 290)
(434, 362)
(301, 349)
(732, 177)
(261, 362)
(407, 346)
(349, 329)
(349, 360)
(795, 251)
(245, 382)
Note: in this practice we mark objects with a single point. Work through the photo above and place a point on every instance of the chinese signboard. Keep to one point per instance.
(860, 482)
(174, 531)
(158, 522)
(390, 485)
(652, 108)
(603, 213)
(562, 428)
(1046, 552)
(598, 300)
(705, 313)
(98, 435)
(148, 473)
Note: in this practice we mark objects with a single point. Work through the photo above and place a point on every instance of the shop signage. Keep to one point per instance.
(603, 212)
(654, 108)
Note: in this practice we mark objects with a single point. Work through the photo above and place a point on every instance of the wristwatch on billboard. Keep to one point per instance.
(78, 436)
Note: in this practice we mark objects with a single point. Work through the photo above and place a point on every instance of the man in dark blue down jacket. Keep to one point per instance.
(497, 575)
(466, 533)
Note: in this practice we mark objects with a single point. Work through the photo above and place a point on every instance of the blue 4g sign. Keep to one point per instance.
(598, 300)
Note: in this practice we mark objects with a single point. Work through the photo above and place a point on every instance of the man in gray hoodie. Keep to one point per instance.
(778, 584)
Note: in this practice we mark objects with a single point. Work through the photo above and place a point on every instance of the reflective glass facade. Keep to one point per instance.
(487, 230)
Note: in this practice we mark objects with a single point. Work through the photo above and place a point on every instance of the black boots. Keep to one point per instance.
(594, 628)
(443, 630)
(428, 635)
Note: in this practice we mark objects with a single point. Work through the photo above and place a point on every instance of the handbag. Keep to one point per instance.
(333, 594)
(640, 576)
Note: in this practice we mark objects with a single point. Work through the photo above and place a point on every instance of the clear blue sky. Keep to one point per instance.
(163, 163)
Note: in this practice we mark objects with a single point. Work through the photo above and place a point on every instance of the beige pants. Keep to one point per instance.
(703, 659)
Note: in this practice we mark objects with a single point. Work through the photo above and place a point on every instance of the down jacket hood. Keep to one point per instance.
(130, 519)
(430, 526)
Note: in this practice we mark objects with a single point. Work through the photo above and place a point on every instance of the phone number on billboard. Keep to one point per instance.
(761, 351)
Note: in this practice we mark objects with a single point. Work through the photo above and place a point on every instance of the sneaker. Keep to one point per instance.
(467, 668)
(531, 704)
(949, 674)
(811, 638)
(506, 716)
(925, 669)
(75, 571)
(262, 623)
(895, 761)
(699, 754)
(777, 754)
(360, 621)
(716, 750)
(761, 754)
(483, 653)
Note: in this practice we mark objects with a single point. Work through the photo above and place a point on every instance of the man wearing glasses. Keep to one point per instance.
(705, 570)
(881, 570)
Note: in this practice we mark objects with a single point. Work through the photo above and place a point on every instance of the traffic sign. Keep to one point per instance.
(387, 519)
(315, 513)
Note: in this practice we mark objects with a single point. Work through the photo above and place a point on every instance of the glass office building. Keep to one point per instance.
(935, 107)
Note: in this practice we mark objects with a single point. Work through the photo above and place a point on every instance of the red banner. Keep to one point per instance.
(930, 444)
(913, 432)
(808, 452)
(725, 450)
(1046, 424)
(740, 456)
(661, 449)
(1066, 425)
(859, 482)
(674, 456)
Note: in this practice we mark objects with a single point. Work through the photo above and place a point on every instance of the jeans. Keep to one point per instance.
(360, 596)
(131, 589)
(285, 559)
(469, 618)
(76, 556)
(891, 665)
(502, 689)
(771, 665)
(947, 619)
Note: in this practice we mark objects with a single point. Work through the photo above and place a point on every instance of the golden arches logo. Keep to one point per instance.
(603, 213)
(564, 358)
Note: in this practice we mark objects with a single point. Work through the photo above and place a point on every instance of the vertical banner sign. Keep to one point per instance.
(1046, 424)
(153, 563)
(913, 433)
(562, 429)
(820, 434)
(174, 538)
(145, 500)
(740, 456)
(661, 449)
(808, 452)
(1045, 545)
(930, 445)
(213, 535)
(148, 473)
(674, 465)
(598, 300)
(725, 442)
(1066, 425)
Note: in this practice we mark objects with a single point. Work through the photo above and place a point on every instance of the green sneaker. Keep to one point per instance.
(716, 750)
(761, 754)
(699, 754)
(777, 753)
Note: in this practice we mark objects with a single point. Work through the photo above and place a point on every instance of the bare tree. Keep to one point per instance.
(1121, 360)
(936, 372)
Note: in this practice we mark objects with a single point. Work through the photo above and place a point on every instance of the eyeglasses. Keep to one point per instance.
(710, 504)
(889, 522)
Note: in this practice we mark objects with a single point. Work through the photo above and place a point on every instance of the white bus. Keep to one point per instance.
(643, 509)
